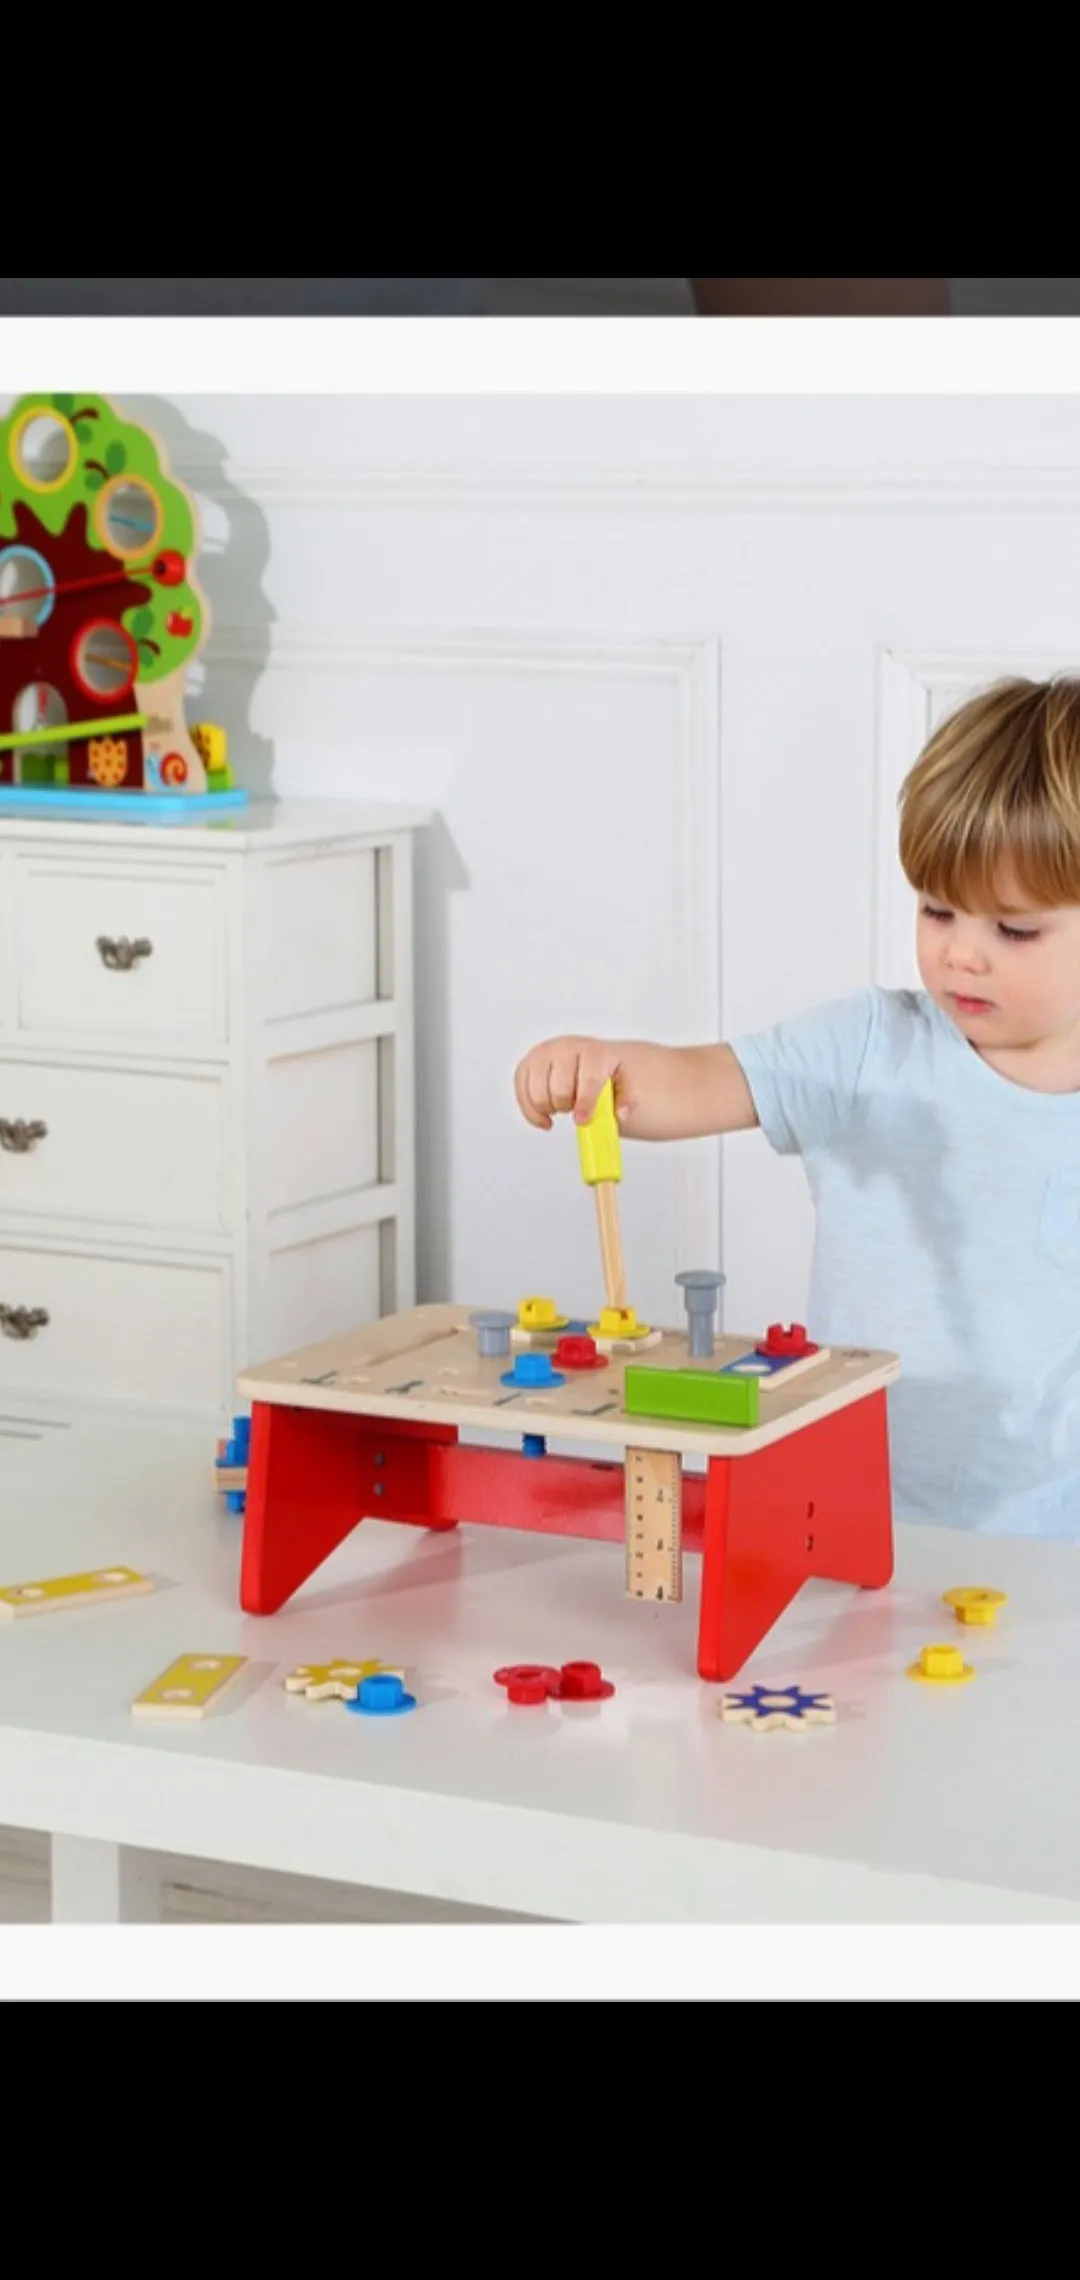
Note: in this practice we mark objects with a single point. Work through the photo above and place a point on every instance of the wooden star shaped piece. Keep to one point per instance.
(326, 1682)
(768, 1708)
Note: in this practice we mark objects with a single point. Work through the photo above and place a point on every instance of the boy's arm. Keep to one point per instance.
(661, 1092)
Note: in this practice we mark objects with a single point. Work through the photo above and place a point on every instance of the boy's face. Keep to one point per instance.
(1009, 977)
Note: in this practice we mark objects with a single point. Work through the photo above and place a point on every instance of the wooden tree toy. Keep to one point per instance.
(101, 616)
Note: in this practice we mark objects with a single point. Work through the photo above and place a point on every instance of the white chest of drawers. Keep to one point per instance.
(206, 1096)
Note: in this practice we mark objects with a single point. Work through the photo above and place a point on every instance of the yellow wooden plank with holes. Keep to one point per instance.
(188, 1687)
(653, 1524)
(55, 1592)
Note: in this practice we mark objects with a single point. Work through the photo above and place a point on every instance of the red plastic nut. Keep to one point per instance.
(534, 1682)
(527, 1692)
(786, 1343)
(528, 1683)
(583, 1682)
(578, 1354)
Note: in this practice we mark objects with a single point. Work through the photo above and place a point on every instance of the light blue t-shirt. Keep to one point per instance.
(948, 1231)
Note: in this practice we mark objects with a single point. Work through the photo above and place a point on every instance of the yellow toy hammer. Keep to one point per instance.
(601, 1168)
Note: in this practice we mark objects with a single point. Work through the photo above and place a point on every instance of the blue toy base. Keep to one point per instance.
(150, 807)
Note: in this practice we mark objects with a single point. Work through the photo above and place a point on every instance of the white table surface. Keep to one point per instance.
(921, 1804)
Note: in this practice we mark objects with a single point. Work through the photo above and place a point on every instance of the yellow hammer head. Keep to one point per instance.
(598, 1142)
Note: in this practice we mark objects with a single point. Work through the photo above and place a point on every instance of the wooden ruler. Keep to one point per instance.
(653, 1524)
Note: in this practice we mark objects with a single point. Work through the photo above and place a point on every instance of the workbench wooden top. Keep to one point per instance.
(424, 1366)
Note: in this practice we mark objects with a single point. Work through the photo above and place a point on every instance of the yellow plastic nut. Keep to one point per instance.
(598, 1141)
(941, 1666)
(618, 1322)
(540, 1314)
(972, 1603)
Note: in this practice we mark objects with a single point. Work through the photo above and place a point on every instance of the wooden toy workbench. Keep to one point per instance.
(368, 1425)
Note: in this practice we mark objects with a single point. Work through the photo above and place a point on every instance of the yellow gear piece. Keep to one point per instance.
(598, 1141)
(325, 1682)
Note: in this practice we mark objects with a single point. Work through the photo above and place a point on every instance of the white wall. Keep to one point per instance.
(660, 666)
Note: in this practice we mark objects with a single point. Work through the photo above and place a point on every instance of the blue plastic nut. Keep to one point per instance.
(533, 1445)
(381, 1696)
(531, 1371)
(238, 1447)
(237, 1453)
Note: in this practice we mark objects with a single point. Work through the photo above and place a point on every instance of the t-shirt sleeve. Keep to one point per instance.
(804, 1073)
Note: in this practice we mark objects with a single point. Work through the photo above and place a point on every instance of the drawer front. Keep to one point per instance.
(82, 967)
(133, 1149)
(150, 1331)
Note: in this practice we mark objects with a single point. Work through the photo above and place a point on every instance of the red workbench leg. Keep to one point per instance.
(818, 1503)
(313, 1475)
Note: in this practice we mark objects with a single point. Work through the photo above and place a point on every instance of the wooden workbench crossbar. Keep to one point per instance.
(815, 1504)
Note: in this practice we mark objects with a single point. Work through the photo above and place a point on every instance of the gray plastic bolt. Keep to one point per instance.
(701, 1296)
(493, 1331)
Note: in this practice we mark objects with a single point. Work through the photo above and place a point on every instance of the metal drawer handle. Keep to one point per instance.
(19, 1138)
(22, 1321)
(122, 955)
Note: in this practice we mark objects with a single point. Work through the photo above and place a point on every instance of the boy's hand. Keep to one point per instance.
(565, 1076)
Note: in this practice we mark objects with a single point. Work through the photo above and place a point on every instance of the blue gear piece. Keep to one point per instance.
(790, 1702)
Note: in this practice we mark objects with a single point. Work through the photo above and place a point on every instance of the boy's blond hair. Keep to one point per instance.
(995, 797)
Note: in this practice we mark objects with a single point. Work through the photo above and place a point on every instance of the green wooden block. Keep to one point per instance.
(696, 1397)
